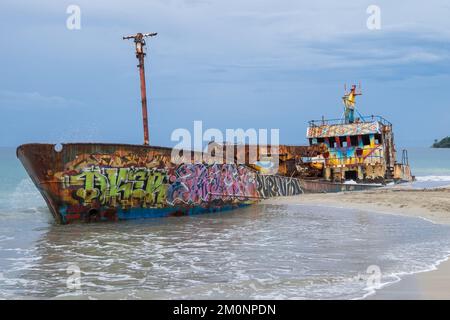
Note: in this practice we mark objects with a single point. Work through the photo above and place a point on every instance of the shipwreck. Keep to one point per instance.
(88, 182)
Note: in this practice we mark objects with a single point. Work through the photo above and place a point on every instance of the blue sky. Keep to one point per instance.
(232, 64)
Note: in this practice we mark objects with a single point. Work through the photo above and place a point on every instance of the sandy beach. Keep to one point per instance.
(430, 204)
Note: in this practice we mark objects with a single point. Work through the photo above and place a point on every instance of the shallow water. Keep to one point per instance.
(265, 252)
(430, 166)
(258, 252)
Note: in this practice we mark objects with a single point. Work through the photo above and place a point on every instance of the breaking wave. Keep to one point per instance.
(25, 196)
(433, 179)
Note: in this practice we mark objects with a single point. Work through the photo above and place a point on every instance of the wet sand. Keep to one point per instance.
(432, 204)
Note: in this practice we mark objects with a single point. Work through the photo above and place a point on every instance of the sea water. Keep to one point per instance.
(259, 252)
(430, 166)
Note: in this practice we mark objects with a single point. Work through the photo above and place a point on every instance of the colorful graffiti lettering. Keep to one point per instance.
(124, 186)
(370, 154)
(112, 182)
(275, 186)
(191, 184)
(200, 183)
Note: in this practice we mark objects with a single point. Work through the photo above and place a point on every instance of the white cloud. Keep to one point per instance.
(263, 32)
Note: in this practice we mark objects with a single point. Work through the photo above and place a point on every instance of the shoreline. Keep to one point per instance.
(432, 205)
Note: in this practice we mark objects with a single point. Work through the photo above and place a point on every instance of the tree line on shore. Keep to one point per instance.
(444, 143)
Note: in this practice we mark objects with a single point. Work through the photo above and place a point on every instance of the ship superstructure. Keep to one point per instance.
(356, 147)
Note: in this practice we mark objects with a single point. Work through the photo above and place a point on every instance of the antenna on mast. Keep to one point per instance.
(140, 54)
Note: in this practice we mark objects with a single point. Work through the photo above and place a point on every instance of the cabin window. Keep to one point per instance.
(344, 142)
(354, 140)
(333, 143)
(378, 138)
(366, 140)
(351, 175)
(314, 141)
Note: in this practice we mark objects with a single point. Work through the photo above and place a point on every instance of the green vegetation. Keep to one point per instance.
(444, 143)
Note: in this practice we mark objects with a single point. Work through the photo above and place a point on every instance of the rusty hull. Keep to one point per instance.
(90, 182)
(97, 182)
(42, 162)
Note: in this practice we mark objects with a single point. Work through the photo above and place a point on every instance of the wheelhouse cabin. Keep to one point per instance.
(361, 149)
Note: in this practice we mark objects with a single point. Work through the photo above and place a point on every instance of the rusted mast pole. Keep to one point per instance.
(140, 54)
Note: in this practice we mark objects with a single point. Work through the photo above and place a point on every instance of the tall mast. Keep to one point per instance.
(140, 54)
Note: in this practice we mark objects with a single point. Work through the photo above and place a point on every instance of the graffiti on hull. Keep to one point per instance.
(186, 184)
(123, 181)
(277, 186)
(113, 186)
(195, 184)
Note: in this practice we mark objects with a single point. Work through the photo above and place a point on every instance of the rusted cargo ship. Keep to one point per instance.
(109, 182)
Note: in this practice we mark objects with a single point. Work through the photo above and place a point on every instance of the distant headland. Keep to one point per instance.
(444, 143)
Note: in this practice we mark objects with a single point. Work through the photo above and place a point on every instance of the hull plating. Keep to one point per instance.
(98, 182)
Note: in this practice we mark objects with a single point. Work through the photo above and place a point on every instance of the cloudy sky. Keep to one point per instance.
(231, 64)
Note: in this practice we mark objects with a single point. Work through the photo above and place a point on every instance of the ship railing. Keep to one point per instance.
(335, 122)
